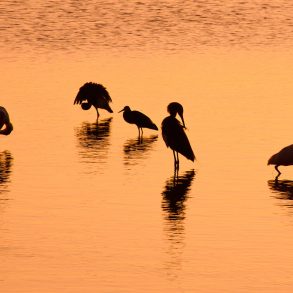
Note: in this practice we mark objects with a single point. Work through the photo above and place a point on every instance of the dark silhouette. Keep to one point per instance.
(175, 194)
(139, 119)
(5, 169)
(283, 190)
(174, 197)
(5, 120)
(174, 135)
(94, 140)
(135, 149)
(96, 95)
(283, 158)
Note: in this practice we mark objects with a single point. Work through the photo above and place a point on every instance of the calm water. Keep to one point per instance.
(84, 207)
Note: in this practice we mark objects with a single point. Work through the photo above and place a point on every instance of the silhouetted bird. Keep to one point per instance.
(283, 158)
(176, 107)
(96, 95)
(174, 135)
(139, 119)
(5, 120)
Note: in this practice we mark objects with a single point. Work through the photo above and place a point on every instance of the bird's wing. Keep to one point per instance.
(102, 91)
(176, 138)
(80, 97)
(141, 119)
(92, 92)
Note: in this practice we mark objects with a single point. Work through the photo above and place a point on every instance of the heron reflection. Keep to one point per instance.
(6, 160)
(175, 195)
(283, 189)
(93, 140)
(173, 205)
(135, 149)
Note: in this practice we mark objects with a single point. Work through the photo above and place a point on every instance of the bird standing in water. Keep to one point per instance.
(5, 120)
(93, 94)
(139, 119)
(174, 135)
(283, 158)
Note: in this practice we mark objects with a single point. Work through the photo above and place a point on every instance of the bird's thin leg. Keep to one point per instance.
(177, 160)
(138, 132)
(276, 167)
(141, 132)
(98, 114)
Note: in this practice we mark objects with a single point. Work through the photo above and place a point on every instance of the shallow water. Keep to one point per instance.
(86, 207)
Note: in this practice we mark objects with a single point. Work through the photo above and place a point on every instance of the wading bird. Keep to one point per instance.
(139, 119)
(5, 120)
(283, 158)
(174, 135)
(93, 94)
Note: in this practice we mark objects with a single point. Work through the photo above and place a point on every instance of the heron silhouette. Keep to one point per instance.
(174, 135)
(5, 120)
(139, 119)
(93, 94)
(283, 158)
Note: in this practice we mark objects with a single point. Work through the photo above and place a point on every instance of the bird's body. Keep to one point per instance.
(93, 94)
(5, 120)
(139, 119)
(283, 158)
(175, 137)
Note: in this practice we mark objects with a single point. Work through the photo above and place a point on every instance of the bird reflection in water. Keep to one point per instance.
(283, 190)
(6, 160)
(94, 141)
(136, 149)
(174, 195)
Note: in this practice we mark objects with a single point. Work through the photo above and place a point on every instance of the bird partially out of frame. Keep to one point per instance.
(5, 120)
(174, 135)
(93, 94)
(139, 119)
(283, 158)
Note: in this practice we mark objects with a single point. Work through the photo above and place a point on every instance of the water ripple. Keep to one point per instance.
(169, 26)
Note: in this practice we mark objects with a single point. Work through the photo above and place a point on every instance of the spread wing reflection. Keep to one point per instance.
(173, 205)
(5, 170)
(135, 149)
(93, 139)
(283, 189)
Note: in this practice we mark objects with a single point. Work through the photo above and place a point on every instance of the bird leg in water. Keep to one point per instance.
(279, 173)
(140, 132)
(175, 178)
(176, 160)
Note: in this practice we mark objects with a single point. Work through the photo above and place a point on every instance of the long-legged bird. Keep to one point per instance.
(93, 94)
(283, 158)
(139, 119)
(174, 135)
(5, 120)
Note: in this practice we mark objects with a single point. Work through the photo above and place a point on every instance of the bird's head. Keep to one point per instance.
(7, 130)
(174, 108)
(85, 106)
(125, 109)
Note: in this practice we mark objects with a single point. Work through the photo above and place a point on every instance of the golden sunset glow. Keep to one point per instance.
(88, 206)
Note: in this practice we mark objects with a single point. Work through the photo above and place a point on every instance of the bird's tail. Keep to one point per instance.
(154, 126)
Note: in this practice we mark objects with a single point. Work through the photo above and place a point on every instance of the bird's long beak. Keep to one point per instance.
(182, 119)
(121, 110)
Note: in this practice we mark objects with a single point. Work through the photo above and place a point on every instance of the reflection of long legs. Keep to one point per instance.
(176, 175)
